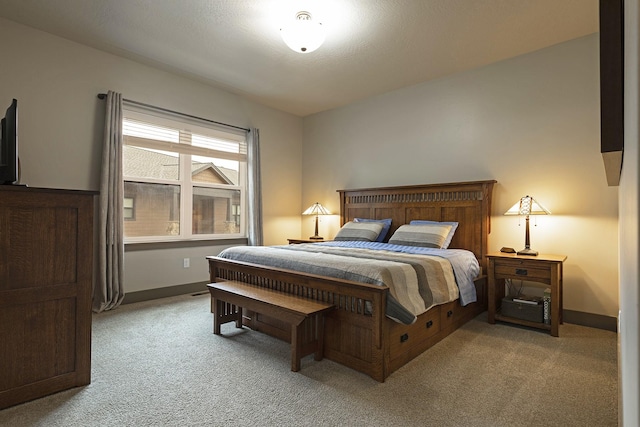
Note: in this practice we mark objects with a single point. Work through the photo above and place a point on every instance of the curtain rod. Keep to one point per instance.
(141, 104)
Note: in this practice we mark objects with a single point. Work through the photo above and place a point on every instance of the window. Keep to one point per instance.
(183, 179)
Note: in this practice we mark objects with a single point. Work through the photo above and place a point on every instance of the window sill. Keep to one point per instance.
(146, 246)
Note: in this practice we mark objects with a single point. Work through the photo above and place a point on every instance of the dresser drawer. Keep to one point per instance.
(521, 269)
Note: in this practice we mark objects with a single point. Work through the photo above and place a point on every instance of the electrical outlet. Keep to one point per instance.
(186, 263)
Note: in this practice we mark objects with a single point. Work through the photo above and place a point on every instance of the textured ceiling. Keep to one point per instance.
(371, 47)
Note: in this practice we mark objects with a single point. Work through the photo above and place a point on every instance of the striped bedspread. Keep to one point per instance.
(416, 282)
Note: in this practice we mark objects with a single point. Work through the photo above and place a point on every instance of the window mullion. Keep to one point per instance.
(243, 198)
(186, 190)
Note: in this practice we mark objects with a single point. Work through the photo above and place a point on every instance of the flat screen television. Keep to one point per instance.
(9, 169)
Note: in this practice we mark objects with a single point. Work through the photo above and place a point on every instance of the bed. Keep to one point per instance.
(363, 332)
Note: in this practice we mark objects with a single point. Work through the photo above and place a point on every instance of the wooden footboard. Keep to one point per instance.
(353, 330)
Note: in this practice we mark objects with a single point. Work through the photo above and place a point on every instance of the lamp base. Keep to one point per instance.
(316, 238)
(528, 252)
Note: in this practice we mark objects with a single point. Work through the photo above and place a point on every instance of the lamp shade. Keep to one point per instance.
(527, 206)
(302, 34)
(316, 209)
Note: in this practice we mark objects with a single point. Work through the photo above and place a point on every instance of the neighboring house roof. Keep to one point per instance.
(230, 176)
(143, 163)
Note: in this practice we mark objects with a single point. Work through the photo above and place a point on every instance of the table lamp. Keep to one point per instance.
(316, 209)
(527, 206)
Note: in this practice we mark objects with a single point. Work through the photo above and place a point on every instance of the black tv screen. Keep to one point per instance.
(9, 146)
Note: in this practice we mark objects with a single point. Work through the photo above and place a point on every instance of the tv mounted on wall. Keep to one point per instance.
(9, 169)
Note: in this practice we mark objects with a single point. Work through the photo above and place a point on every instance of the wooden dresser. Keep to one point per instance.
(46, 273)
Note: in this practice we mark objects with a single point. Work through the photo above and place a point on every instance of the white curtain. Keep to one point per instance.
(108, 289)
(255, 187)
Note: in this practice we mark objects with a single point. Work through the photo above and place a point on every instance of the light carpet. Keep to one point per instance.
(157, 363)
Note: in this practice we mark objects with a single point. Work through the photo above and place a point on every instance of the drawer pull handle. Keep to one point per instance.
(449, 313)
(429, 324)
(404, 337)
(521, 271)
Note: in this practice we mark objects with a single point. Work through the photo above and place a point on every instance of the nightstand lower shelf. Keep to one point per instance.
(501, 318)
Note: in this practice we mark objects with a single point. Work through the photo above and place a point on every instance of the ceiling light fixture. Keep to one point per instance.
(303, 34)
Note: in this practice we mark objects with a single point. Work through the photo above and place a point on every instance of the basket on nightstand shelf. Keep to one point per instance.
(524, 308)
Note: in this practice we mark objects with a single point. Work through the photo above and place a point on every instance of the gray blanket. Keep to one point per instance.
(416, 282)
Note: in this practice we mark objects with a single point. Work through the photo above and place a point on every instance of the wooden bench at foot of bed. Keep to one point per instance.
(230, 297)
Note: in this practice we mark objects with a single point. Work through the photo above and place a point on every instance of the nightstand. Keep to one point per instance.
(296, 241)
(545, 269)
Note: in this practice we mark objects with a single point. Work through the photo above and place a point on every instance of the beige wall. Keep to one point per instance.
(531, 123)
(60, 124)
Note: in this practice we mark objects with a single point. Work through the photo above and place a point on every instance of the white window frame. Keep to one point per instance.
(187, 125)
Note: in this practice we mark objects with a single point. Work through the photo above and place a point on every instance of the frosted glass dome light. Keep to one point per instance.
(303, 35)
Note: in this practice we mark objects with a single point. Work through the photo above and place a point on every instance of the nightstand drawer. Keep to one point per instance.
(521, 269)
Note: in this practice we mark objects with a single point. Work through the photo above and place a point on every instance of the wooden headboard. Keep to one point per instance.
(468, 203)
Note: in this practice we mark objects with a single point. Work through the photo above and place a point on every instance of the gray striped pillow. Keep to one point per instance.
(360, 231)
(425, 235)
